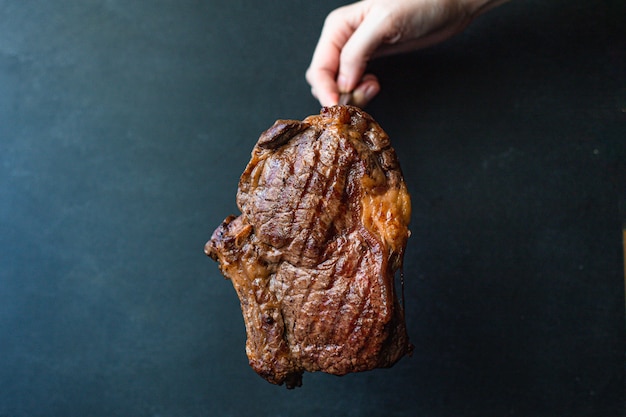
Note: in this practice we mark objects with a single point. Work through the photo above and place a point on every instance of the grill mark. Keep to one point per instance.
(364, 331)
(375, 249)
(285, 172)
(303, 192)
(311, 323)
(384, 315)
(355, 216)
(328, 191)
(367, 326)
(289, 335)
(266, 195)
(312, 220)
(338, 315)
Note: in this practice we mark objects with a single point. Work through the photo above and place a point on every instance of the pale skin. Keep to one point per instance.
(357, 33)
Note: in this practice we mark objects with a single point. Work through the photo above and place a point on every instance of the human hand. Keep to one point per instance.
(353, 35)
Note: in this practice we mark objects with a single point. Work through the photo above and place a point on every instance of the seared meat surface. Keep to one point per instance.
(313, 256)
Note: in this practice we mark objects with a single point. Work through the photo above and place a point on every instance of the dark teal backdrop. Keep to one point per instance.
(124, 127)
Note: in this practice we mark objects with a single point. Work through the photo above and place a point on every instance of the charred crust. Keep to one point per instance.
(293, 380)
(217, 238)
(280, 133)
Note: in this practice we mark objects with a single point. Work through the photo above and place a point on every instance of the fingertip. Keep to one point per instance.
(343, 83)
(326, 99)
(323, 87)
(329, 99)
(365, 91)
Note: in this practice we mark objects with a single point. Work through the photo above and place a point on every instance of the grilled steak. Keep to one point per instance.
(313, 256)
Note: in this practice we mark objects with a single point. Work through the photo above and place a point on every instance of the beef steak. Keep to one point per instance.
(313, 256)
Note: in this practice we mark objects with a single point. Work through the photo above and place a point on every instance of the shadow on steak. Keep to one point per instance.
(313, 256)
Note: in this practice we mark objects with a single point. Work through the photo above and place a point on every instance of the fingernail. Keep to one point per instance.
(362, 96)
(342, 84)
(370, 91)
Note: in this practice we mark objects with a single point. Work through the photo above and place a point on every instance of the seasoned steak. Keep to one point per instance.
(313, 256)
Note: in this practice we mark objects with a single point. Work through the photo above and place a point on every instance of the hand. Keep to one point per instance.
(353, 35)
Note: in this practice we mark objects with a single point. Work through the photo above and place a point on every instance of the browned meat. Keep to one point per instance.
(313, 256)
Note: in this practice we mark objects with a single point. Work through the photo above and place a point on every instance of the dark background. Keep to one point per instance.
(124, 127)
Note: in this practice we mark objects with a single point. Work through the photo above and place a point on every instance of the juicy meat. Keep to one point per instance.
(313, 256)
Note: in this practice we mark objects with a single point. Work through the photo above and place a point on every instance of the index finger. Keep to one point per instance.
(324, 67)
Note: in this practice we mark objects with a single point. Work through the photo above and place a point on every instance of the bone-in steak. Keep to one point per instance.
(313, 256)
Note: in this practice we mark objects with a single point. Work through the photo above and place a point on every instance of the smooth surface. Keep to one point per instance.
(124, 127)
